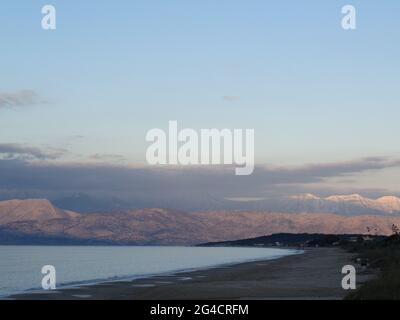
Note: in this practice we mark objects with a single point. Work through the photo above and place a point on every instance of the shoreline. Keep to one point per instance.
(138, 277)
(314, 274)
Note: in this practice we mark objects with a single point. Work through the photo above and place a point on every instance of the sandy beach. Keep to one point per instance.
(315, 274)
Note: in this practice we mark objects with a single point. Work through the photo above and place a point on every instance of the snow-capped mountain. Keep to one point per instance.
(347, 204)
(390, 203)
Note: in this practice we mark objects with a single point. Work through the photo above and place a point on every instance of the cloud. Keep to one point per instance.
(319, 172)
(23, 152)
(20, 99)
(179, 187)
(107, 157)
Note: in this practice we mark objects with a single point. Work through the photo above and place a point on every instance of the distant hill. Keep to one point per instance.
(32, 221)
(289, 239)
(37, 210)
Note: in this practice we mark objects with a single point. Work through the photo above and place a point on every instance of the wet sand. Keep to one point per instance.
(316, 274)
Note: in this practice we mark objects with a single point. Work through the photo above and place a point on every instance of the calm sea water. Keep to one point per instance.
(20, 266)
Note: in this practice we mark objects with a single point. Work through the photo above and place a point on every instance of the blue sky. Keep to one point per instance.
(112, 70)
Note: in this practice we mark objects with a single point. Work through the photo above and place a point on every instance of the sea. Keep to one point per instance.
(21, 266)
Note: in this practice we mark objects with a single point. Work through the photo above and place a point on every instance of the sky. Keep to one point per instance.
(84, 95)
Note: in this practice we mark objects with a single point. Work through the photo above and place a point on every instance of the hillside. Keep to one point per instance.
(27, 221)
(31, 210)
(292, 240)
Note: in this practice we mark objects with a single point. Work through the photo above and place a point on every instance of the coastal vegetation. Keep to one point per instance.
(383, 256)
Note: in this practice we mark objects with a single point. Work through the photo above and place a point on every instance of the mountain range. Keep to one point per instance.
(354, 204)
(39, 221)
(349, 205)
